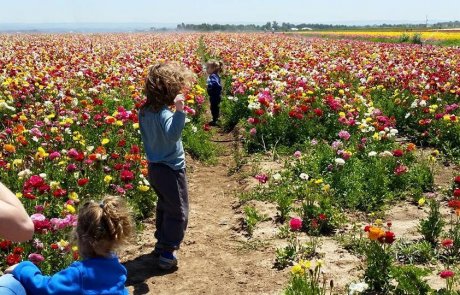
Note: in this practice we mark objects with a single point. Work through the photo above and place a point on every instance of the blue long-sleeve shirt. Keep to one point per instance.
(161, 134)
(214, 86)
(104, 276)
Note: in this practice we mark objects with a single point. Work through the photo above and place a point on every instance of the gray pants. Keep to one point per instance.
(172, 207)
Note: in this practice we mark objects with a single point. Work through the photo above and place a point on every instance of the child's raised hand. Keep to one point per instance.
(179, 102)
(10, 269)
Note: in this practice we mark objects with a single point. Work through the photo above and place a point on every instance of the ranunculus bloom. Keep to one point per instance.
(457, 180)
(54, 155)
(297, 154)
(389, 237)
(398, 153)
(344, 135)
(295, 223)
(400, 170)
(457, 192)
(36, 181)
(262, 178)
(36, 258)
(82, 181)
(445, 274)
(126, 176)
(447, 243)
(375, 233)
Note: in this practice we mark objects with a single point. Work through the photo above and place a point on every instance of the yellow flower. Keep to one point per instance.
(70, 209)
(41, 153)
(63, 244)
(326, 187)
(319, 181)
(19, 195)
(421, 202)
(376, 136)
(342, 115)
(75, 248)
(105, 141)
(319, 263)
(108, 179)
(143, 188)
(378, 222)
(54, 185)
(306, 264)
(341, 92)
(119, 123)
(297, 269)
(73, 196)
(136, 125)
(17, 162)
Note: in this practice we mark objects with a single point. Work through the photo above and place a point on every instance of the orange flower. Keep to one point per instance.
(100, 150)
(375, 233)
(19, 129)
(9, 148)
(411, 147)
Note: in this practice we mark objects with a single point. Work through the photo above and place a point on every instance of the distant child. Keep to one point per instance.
(101, 228)
(213, 68)
(161, 131)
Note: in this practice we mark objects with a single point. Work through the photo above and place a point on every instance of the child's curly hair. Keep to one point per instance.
(217, 65)
(102, 227)
(163, 83)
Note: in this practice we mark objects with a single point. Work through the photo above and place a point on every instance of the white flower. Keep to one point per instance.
(304, 176)
(42, 175)
(386, 154)
(356, 288)
(90, 148)
(372, 154)
(423, 103)
(340, 161)
(394, 131)
(407, 115)
(277, 176)
(24, 173)
(187, 120)
(194, 129)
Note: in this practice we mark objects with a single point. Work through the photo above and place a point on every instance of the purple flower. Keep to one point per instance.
(36, 258)
(344, 135)
(336, 144)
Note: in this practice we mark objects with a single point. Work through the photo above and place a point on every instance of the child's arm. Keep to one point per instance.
(15, 223)
(174, 125)
(67, 281)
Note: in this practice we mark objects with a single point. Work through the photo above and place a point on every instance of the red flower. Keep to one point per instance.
(322, 217)
(295, 224)
(54, 246)
(447, 243)
(42, 226)
(36, 181)
(457, 180)
(59, 193)
(367, 228)
(445, 274)
(5, 245)
(18, 250)
(457, 192)
(82, 181)
(318, 112)
(398, 153)
(13, 259)
(454, 204)
(206, 127)
(127, 176)
(389, 237)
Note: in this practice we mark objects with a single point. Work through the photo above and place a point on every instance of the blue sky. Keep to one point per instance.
(223, 11)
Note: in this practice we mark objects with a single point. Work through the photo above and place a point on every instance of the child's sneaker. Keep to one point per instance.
(167, 261)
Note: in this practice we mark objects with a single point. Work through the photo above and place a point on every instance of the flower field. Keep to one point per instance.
(360, 126)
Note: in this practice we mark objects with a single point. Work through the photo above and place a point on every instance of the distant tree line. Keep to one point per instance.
(275, 26)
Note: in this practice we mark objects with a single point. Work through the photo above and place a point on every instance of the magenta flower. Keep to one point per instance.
(54, 155)
(295, 224)
(36, 258)
(344, 135)
(262, 178)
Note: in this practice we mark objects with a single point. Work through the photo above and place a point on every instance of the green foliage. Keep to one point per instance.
(309, 282)
(379, 261)
(410, 280)
(431, 227)
(409, 252)
(198, 144)
(252, 217)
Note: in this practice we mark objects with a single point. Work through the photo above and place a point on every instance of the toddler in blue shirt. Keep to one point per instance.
(161, 131)
(101, 228)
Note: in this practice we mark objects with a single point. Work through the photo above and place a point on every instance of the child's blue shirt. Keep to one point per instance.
(104, 276)
(161, 134)
(214, 86)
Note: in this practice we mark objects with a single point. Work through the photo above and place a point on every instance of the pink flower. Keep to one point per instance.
(297, 154)
(344, 135)
(251, 121)
(36, 258)
(262, 178)
(295, 223)
(54, 155)
(400, 170)
(445, 274)
(253, 131)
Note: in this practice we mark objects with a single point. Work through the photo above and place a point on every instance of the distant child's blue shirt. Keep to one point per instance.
(214, 86)
(161, 134)
(103, 276)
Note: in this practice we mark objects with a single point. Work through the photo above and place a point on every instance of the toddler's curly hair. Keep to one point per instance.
(102, 227)
(163, 83)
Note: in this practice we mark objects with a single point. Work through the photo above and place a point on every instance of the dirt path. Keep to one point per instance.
(215, 258)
